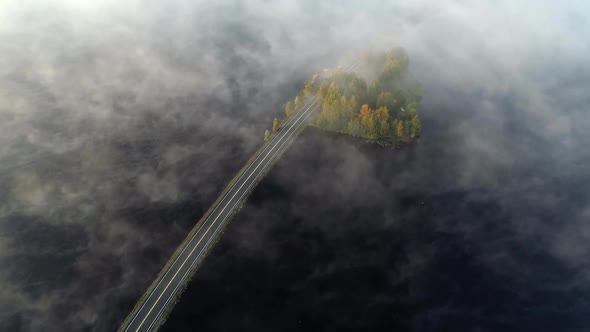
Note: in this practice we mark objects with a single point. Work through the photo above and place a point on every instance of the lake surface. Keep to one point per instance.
(480, 226)
(450, 235)
(120, 122)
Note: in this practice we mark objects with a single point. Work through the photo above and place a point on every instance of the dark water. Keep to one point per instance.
(444, 236)
(478, 227)
(100, 264)
(121, 122)
(481, 226)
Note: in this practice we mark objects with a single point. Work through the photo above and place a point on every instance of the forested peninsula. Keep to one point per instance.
(384, 111)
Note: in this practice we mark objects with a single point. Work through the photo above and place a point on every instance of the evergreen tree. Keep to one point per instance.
(416, 125)
(411, 109)
(391, 71)
(382, 122)
(385, 99)
(372, 126)
(353, 103)
(354, 128)
(399, 129)
(374, 91)
(380, 100)
(407, 128)
(383, 129)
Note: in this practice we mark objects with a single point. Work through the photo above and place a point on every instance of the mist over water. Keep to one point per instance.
(119, 124)
(345, 235)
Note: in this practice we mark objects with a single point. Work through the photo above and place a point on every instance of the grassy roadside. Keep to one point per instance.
(195, 228)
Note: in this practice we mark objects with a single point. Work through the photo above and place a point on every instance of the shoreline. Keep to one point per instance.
(389, 142)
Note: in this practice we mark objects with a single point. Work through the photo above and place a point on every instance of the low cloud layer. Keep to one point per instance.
(119, 123)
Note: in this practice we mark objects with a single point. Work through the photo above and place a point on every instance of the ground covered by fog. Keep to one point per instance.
(119, 123)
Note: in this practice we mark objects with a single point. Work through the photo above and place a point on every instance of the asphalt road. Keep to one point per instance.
(148, 313)
(166, 287)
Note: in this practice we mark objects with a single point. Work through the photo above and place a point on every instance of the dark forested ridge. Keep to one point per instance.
(385, 111)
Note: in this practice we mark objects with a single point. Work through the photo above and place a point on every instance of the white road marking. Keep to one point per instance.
(276, 141)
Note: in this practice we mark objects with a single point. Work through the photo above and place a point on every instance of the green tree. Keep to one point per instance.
(385, 99)
(416, 125)
(308, 88)
(333, 93)
(391, 70)
(374, 91)
(382, 122)
(323, 89)
(411, 109)
(416, 90)
(400, 55)
(343, 113)
(266, 135)
(288, 110)
(399, 128)
(383, 128)
(275, 125)
(407, 128)
(342, 94)
(321, 121)
(372, 127)
(354, 128)
(353, 103)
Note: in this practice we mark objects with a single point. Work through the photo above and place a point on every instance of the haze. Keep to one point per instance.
(120, 122)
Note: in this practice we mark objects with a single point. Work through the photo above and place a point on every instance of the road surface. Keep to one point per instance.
(154, 305)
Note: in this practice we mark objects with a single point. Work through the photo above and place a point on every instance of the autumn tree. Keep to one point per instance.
(365, 112)
(266, 135)
(289, 110)
(368, 122)
(349, 105)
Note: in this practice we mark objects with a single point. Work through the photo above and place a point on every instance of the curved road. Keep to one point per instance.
(153, 307)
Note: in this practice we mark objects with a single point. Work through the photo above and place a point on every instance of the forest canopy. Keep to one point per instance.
(384, 110)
